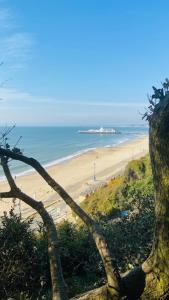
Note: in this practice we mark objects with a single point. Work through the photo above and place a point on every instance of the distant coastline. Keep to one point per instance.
(72, 156)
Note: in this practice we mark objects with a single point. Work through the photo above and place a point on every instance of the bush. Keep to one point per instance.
(138, 169)
(80, 260)
(100, 204)
(22, 264)
(130, 238)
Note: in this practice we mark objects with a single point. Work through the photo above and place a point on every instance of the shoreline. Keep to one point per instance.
(79, 176)
(69, 157)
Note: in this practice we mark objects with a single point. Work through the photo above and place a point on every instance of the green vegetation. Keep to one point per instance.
(23, 259)
(137, 186)
(24, 252)
(130, 237)
(123, 192)
(101, 203)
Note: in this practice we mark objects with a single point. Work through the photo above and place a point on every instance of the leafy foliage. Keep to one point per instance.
(156, 98)
(137, 185)
(22, 264)
(79, 257)
(129, 237)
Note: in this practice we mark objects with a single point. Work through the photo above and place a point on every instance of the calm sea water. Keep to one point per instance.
(51, 145)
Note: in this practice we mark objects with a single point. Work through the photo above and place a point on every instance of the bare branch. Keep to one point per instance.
(113, 276)
(7, 173)
(6, 132)
(7, 194)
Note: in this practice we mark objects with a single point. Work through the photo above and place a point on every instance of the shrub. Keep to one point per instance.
(21, 260)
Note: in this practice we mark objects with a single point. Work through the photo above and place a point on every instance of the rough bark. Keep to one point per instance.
(114, 284)
(96, 294)
(58, 284)
(157, 265)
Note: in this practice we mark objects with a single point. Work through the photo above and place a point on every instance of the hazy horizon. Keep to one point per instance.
(99, 124)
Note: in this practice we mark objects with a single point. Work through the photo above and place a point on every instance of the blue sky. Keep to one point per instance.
(74, 62)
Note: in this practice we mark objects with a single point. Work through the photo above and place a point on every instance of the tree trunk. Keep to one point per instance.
(58, 283)
(96, 294)
(157, 265)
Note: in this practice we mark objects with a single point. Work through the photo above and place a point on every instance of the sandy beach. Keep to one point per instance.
(79, 176)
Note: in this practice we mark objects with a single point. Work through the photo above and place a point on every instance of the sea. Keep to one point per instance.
(54, 145)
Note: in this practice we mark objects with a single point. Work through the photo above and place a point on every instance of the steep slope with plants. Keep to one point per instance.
(130, 238)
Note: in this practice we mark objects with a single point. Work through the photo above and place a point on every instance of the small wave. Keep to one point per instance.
(69, 157)
(123, 141)
(66, 158)
(117, 143)
(50, 164)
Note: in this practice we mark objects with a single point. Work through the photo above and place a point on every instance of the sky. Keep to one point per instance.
(80, 62)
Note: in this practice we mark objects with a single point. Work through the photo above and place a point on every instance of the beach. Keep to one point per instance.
(78, 176)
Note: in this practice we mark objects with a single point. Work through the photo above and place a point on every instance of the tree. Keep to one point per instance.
(157, 265)
(151, 279)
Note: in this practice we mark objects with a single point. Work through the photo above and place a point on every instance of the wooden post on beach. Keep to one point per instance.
(94, 171)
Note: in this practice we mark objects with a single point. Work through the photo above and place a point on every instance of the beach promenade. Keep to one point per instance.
(79, 176)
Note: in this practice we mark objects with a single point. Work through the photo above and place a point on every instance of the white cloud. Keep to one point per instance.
(11, 96)
(24, 108)
(15, 44)
(106, 104)
(5, 18)
(14, 96)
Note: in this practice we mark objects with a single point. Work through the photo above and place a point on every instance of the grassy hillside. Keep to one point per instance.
(119, 193)
(101, 202)
(129, 237)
